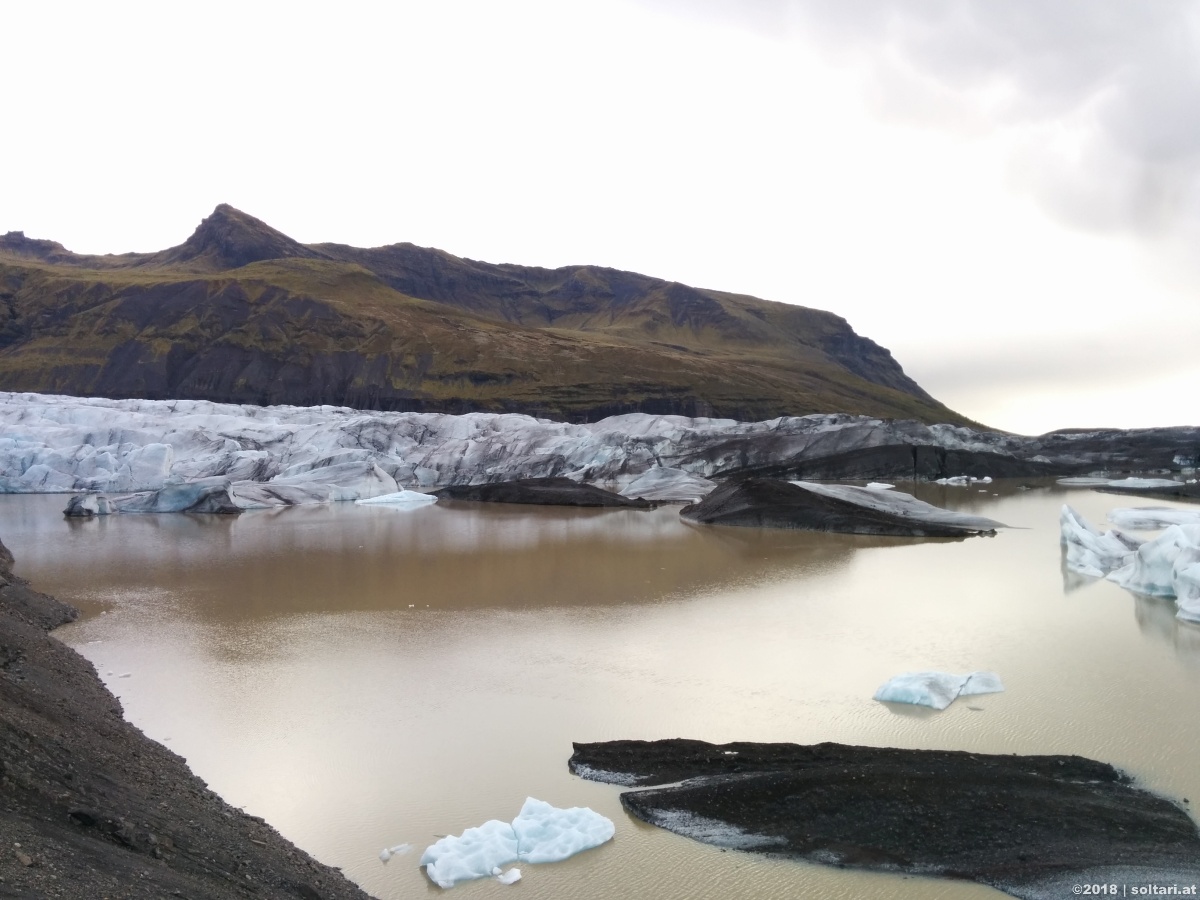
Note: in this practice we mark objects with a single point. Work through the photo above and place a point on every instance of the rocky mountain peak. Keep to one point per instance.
(230, 238)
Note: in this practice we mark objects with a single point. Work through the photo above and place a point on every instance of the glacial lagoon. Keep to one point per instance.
(364, 677)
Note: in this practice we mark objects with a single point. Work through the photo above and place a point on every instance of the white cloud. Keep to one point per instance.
(952, 177)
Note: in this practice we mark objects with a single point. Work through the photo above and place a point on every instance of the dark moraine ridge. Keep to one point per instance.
(542, 492)
(1180, 491)
(90, 807)
(1032, 826)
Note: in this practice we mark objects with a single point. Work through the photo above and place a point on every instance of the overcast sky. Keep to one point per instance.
(1004, 194)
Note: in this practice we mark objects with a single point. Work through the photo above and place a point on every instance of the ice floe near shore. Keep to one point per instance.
(937, 689)
(540, 833)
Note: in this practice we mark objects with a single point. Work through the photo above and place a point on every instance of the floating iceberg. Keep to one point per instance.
(512, 876)
(1152, 518)
(548, 834)
(399, 498)
(879, 486)
(961, 480)
(1089, 552)
(1152, 569)
(937, 689)
(539, 833)
(1143, 484)
(388, 852)
(475, 853)
(1185, 578)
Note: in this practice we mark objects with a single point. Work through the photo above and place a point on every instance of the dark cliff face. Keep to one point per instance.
(241, 312)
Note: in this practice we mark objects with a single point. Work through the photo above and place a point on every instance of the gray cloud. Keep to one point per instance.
(1101, 96)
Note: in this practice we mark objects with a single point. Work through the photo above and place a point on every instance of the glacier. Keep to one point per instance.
(284, 455)
(937, 689)
(540, 833)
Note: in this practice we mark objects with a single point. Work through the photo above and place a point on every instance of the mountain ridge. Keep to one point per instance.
(242, 312)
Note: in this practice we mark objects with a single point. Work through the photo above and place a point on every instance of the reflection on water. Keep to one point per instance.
(363, 677)
(1156, 618)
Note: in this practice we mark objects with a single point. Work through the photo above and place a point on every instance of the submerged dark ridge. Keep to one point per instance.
(542, 492)
(94, 808)
(1182, 491)
(1031, 826)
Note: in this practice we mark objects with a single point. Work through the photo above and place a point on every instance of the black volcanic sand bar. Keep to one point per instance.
(542, 492)
(1032, 826)
(768, 503)
(1186, 492)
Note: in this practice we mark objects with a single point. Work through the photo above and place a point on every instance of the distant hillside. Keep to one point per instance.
(242, 313)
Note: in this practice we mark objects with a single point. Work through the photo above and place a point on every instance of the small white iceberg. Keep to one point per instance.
(1144, 484)
(962, 480)
(540, 833)
(398, 498)
(388, 852)
(512, 876)
(937, 689)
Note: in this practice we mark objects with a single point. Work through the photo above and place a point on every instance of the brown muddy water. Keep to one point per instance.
(363, 677)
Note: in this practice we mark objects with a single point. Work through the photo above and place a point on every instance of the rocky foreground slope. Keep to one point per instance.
(92, 808)
(242, 313)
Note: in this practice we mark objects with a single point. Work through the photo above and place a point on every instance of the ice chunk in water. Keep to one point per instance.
(540, 833)
(1185, 578)
(512, 876)
(548, 834)
(473, 854)
(1088, 551)
(1143, 484)
(1151, 518)
(982, 683)
(1151, 571)
(388, 852)
(399, 498)
(936, 689)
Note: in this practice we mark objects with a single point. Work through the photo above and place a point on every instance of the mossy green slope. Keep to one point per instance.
(242, 313)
